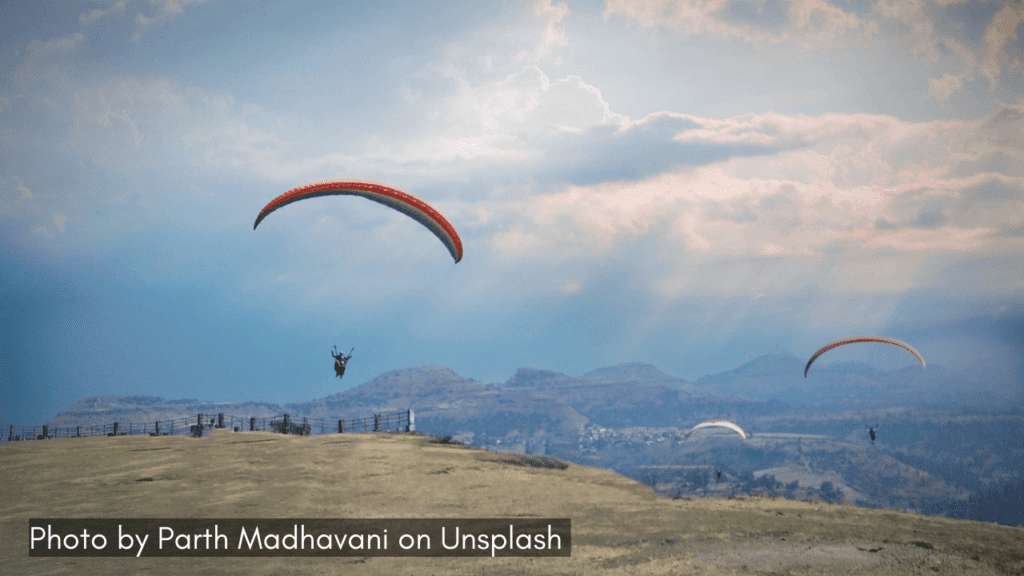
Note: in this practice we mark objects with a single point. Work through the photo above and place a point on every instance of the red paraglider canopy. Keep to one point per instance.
(405, 203)
(882, 339)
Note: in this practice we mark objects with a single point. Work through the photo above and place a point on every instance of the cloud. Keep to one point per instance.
(939, 31)
(1005, 128)
(163, 11)
(53, 229)
(802, 22)
(529, 102)
(496, 126)
(1002, 39)
(25, 192)
(117, 9)
(45, 56)
(554, 35)
(804, 200)
(942, 88)
(130, 124)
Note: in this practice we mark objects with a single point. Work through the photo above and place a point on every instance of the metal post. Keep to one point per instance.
(411, 425)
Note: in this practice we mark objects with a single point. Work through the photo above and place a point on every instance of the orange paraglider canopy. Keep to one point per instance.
(882, 339)
(405, 203)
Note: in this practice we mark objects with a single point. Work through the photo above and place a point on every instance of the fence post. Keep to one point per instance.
(78, 432)
(411, 422)
(284, 428)
(199, 419)
(376, 422)
(220, 420)
(341, 426)
(10, 434)
(157, 428)
(252, 424)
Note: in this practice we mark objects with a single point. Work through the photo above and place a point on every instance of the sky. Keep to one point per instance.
(690, 184)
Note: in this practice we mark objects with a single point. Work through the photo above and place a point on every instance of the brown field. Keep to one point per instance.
(619, 526)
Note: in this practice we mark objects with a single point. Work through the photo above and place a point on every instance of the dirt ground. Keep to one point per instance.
(619, 526)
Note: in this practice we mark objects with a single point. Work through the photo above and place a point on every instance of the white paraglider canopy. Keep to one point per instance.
(719, 423)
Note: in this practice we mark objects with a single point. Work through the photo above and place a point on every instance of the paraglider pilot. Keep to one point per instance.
(340, 360)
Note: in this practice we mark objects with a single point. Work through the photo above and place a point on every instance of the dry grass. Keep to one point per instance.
(619, 526)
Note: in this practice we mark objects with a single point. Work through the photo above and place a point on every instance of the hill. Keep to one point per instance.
(619, 526)
(631, 418)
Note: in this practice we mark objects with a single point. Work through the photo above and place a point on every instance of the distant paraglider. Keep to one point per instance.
(721, 423)
(871, 431)
(341, 361)
(407, 204)
(881, 339)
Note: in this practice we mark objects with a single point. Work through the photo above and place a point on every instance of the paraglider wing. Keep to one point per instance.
(407, 204)
(881, 339)
(722, 423)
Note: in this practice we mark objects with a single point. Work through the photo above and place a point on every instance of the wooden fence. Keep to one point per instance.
(394, 422)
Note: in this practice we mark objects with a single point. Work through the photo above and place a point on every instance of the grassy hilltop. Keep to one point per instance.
(619, 526)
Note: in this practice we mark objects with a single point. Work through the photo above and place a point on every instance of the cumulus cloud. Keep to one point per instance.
(499, 123)
(529, 102)
(801, 200)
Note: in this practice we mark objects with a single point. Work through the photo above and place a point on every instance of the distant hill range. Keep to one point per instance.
(626, 395)
(633, 394)
(807, 436)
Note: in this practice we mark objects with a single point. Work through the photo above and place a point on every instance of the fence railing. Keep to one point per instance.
(394, 422)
